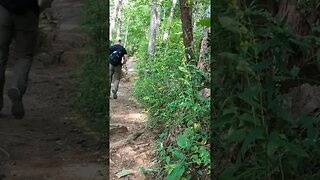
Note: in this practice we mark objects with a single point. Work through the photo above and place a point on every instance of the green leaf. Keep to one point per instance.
(179, 154)
(237, 135)
(250, 96)
(204, 22)
(307, 123)
(167, 158)
(232, 25)
(256, 133)
(182, 141)
(294, 71)
(274, 138)
(124, 172)
(176, 173)
(183, 69)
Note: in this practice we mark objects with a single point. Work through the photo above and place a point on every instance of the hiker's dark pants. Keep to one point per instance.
(24, 30)
(115, 71)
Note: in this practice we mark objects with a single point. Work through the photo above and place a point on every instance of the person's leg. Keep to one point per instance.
(6, 34)
(117, 76)
(111, 72)
(26, 32)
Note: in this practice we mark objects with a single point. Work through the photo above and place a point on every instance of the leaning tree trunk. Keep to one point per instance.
(153, 27)
(166, 31)
(117, 5)
(186, 18)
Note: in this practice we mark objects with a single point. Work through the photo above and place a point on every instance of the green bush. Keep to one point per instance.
(169, 89)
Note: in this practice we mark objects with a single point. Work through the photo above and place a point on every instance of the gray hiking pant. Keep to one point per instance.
(115, 71)
(24, 30)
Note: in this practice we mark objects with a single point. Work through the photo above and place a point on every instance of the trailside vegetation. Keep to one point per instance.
(263, 51)
(173, 72)
(93, 68)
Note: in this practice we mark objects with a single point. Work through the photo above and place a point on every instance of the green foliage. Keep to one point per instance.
(169, 89)
(254, 64)
(93, 67)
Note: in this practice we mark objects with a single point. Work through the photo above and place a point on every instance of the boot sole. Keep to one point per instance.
(114, 94)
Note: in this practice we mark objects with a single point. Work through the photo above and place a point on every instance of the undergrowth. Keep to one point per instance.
(255, 134)
(169, 88)
(93, 68)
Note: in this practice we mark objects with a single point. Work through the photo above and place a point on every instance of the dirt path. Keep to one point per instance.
(128, 122)
(49, 143)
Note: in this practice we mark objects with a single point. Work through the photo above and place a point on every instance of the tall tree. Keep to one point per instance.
(126, 34)
(119, 22)
(186, 19)
(166, 31)
(117, 5)
(195, 13)
(153, 27)
(159, 9)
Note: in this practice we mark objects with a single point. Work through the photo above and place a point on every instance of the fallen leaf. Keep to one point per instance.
(124, 172)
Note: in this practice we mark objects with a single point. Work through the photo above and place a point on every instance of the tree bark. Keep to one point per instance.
(297, 19)
(166, 31)
(153, 27)
(186, 18)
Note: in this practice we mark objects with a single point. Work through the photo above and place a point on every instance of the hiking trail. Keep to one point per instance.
(51, 142)
(132, 142)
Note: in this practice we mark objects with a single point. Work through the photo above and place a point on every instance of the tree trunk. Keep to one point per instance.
(119, 22)
(204, 54)
(126, 35)
(159, 9)
(295, 19)
(166, 31)
(186, 17)
(153, 27)
(117, 5)
(195, 13)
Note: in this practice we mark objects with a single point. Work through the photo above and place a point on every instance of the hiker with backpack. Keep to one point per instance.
(117, 57)
(19, 20)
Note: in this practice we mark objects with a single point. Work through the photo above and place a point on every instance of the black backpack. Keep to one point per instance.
(115, 58)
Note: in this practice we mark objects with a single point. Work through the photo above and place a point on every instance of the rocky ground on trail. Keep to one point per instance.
(50, 143)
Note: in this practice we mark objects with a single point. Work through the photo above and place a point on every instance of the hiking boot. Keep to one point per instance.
(114, 92)
(17, 108)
